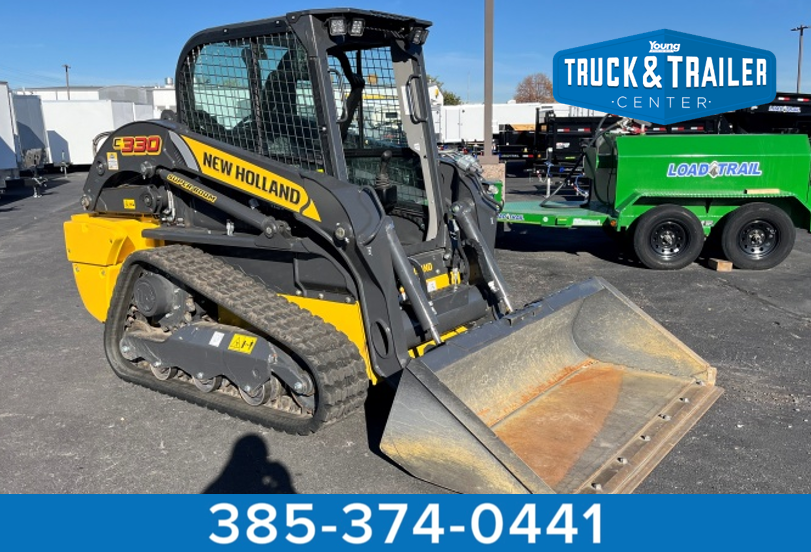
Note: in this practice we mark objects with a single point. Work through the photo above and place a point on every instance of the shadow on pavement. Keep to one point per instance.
(17, 192)
(377, 408)
(249, 471)
(576, 241)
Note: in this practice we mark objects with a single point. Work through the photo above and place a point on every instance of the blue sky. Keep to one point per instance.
(138, 42)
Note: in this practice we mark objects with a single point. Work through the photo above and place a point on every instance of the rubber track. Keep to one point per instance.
(334, 361)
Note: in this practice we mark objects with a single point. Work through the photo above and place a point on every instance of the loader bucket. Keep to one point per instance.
(581, 392)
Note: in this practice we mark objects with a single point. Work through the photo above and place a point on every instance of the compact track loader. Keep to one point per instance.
(291, 234)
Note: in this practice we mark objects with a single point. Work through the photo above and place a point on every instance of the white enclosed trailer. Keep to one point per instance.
(465, 123)
(31, 131)
(9, 144)
(73, 125)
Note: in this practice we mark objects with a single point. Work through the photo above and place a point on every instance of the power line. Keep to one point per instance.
(30, 74)
(21, 79)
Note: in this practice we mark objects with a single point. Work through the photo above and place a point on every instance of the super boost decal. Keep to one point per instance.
(664, 76)
(189, 187)
(253, 179)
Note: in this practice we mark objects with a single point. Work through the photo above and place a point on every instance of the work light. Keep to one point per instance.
(337, 26)
(418, 35)
(357, 27)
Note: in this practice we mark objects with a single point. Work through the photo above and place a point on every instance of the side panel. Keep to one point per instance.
(733, 165)
(97, 246)
(252, 179)
(347, 318)
(711, 174)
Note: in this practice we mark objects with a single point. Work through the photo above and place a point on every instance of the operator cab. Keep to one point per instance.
(335, 91)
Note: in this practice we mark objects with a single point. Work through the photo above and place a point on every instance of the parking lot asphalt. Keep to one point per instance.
(69, 425)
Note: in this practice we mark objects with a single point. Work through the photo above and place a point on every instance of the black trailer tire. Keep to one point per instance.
(758, 236)
(668, 237)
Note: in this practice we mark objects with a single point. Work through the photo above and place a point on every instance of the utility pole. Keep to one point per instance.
(67, 77)
(801, 28)
(487, 154)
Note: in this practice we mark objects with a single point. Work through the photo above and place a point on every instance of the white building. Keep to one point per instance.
(158, 98)
(73, 124)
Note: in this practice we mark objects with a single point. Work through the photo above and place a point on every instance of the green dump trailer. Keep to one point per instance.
(667, 194)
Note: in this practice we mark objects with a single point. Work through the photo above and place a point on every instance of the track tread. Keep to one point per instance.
(338, 368)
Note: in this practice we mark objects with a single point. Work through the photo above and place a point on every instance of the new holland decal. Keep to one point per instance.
(252, 179)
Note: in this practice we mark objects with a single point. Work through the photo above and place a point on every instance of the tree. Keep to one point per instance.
(449, 97)
(535, 88)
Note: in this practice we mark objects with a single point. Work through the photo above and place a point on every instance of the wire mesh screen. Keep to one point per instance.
(256, 94)
(375, 122)
(367, 97)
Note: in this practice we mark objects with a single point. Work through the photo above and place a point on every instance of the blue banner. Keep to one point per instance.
(664, 76)
(395, 522)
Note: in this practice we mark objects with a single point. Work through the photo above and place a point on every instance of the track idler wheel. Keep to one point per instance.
(163, 373)
(207, 385)
(270, 390)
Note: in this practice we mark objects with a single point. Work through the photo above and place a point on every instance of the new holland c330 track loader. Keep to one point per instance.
(291, 235)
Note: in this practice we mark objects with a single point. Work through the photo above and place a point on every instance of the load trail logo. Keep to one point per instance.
(784, 109)
(714, 169)
(664, 76)
(253, 179)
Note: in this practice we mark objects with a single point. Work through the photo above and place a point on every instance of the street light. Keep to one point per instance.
(801, 28)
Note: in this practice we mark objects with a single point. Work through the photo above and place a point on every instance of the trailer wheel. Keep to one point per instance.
(668, 237)
(758, 236)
